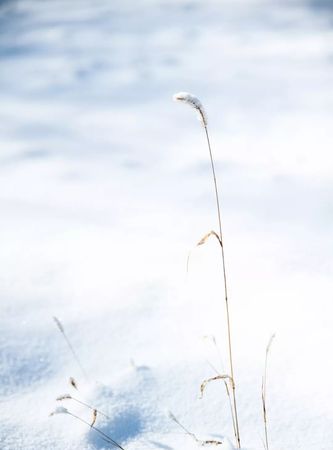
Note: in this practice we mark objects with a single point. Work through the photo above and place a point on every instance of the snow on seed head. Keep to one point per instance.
(63, 397)
(59, 410)
(194, 102)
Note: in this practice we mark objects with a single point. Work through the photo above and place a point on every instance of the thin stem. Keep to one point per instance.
(62, 331)
(226, 386)
(105, 437)
(89, 406)
(264, 402)
(225, 284)
(263, 399)
(192, 435)
(232, 411)
(75, 355)
(218, 353)
(263, 392)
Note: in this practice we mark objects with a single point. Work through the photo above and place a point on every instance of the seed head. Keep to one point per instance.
(58, 323)
(59, 410)
(194, 102)
(63, 397)
(73, 383)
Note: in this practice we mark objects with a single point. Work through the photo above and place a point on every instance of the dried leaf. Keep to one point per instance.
(207, 236)
(94, 418)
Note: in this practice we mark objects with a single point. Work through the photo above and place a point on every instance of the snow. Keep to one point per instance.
(106, 187)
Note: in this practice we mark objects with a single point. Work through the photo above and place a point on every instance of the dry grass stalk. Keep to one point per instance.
(231, 408)
(196, 104)
(104, 436)
(189, 433)
(263, 391)
(212, 338)
(192, 435)
(62, 331)
(70, 397)
(188, 261)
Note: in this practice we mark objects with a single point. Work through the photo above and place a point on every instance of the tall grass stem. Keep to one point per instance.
(71, 348)
(104, 436)
(263, 391)
(218, 207)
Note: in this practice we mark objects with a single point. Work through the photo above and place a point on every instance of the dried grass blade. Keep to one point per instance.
(94, 418)
(207, 236)
(217, 377)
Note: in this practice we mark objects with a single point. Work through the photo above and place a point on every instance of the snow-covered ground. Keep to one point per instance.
(105, 186)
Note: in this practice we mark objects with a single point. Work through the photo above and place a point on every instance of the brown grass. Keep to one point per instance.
(263, 391)
(196, 104)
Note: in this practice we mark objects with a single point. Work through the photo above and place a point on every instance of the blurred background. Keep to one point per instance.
(105, 186)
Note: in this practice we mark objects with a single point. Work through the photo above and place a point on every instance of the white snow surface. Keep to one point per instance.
(105, 187)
